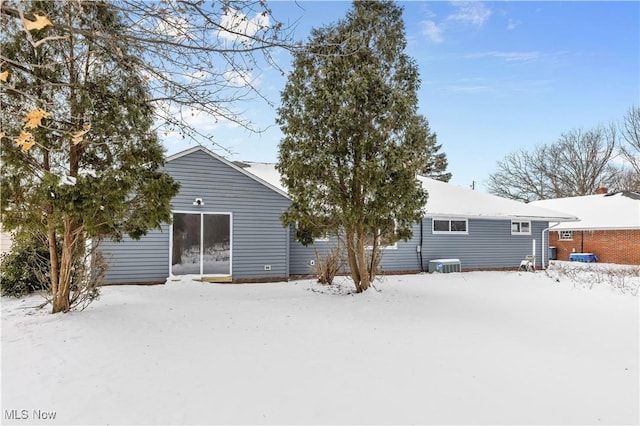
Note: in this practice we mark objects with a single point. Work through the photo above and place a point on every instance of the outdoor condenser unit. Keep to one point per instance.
(445, 265)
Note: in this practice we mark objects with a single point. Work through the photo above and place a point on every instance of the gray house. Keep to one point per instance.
(226, 227)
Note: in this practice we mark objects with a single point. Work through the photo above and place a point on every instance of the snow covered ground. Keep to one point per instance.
(460, 348)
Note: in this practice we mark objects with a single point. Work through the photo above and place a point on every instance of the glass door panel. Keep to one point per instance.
(216, 245)
(185, 253)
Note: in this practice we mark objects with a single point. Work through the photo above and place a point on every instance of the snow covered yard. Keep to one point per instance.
(462, 348)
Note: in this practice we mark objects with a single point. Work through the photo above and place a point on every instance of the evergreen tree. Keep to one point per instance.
(80, 158)
(436, 164)
(352, 140)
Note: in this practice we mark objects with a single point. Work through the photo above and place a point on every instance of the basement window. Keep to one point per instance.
(520, 228)
(566, 235)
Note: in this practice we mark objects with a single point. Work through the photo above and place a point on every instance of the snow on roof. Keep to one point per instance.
(446, 199)
(602, 211)
(265, 171)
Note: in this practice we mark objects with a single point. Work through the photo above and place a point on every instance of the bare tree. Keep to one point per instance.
(627, 180)
(576, 164)
(200, 59)
(630, 148)
(583, 160)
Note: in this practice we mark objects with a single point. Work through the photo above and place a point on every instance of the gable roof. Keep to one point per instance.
(445, 199)
(619, 210)
(448, 200)
(277, 188)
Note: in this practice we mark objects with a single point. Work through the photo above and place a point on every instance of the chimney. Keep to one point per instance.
(602, 190)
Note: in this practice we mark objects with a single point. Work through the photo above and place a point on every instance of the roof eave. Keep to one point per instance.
(504, 217)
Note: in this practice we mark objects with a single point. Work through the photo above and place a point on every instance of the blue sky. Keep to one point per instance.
(497, 77)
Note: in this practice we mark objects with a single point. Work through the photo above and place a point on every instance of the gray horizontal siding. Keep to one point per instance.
(300, 256)
(258, 237)
(489, 244)
(402, 258)
(145, 260)
(405, 256)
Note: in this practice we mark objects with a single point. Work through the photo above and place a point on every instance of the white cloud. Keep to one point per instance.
(512, 24)
(432, 30)
(507, 56)
(177, 27)
(465, 13)
(238, 78)
(497, 87)
(469, 89)
(470, 12)
(239, 27)
(197, 76)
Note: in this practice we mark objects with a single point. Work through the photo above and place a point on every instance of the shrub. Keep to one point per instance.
(25, 268)
(327, 267)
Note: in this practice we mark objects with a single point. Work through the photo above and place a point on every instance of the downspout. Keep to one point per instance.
(420, 246)
(542, 248)
(288, 252)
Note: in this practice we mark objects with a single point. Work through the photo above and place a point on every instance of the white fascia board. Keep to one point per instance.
(505, 217)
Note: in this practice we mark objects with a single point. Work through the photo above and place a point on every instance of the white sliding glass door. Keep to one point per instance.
(201, 244)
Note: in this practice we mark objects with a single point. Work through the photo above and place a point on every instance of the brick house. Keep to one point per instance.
(609, 226)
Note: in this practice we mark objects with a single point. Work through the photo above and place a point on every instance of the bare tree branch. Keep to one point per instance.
(199, 58)
(576, 164)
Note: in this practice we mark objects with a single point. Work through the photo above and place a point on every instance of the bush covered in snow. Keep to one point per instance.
(623, 278)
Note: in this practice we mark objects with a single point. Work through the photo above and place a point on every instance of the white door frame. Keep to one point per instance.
(202, 213)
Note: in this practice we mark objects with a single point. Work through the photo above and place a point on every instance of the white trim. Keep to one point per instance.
(520, 222)
(201, 213)
(227, 163)
(449, 219)
(431, 215)
(599, 228)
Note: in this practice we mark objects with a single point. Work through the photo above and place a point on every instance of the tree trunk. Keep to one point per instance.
(62, 295)
(351, 255)
(373, 262)
(357, 256)
(361, 257)
(54, 267)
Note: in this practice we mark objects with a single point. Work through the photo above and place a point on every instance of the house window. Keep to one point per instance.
(450, 226)
(322, 238)
(384, 241)
(566, 235)
(520, 228)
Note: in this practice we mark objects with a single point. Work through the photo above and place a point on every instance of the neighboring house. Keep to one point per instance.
(609, 226)
(226, 226)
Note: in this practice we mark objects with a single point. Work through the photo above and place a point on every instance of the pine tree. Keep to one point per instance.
(80, 158)
(436, 164)
(352, 140)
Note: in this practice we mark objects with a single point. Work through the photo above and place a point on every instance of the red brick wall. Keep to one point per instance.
(621, 247)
